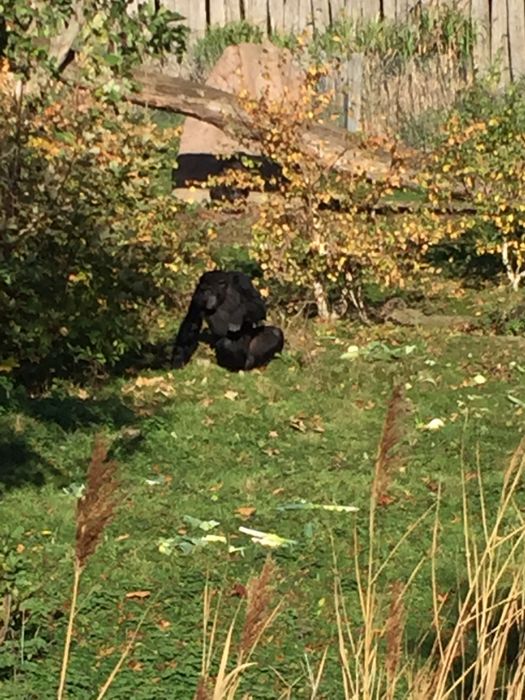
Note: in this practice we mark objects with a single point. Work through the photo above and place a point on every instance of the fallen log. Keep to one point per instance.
(332, 147)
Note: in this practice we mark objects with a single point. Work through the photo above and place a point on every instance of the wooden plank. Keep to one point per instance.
(353, 9)
(516, 17)
(354, 89)
(232, 10)
(389, 10)
(255, 13)
(180, 6)
(276, 11)
(337, 10)
(499, 42)
(479, 13)
(291, 16)
(217, 12)
(320, 14)
(371, 9)
(305, 15)
(401, 10)
(197, 18)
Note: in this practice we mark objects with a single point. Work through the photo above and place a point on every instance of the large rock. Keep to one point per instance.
(254, 70)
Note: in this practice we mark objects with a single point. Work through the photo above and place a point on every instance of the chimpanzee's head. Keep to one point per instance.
(211, 290)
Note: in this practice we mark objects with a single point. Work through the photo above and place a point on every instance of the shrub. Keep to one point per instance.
(480, 158)
(88, 249)
(320, 237)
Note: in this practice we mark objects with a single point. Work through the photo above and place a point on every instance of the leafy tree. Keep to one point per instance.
(481, 158)
(88, 247)
(320, 238)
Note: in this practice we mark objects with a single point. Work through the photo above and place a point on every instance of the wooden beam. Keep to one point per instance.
(334, 148)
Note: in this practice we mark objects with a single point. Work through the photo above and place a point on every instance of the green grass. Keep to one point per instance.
(306, 428)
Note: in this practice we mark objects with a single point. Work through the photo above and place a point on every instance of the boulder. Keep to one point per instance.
(254, 70)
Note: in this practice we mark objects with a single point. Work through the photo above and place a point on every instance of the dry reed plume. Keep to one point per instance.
(260, 614)
(391, 435)
(94, 512)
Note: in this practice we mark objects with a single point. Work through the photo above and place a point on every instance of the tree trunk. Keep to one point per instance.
(331, 146)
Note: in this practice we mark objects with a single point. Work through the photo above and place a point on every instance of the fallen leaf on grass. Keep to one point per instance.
(304, 423)
(434, 424)
(305, 505)
(266, 539)
(163, 624)
(239, 591)
(352, 353)
(202, 524)
(137, 595)
(246, 511)
(297, 424)
(135, 665)
(479, 379)
(231, 395)
(385, 500)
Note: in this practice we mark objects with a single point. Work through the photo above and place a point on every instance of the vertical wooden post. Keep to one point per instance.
(337, 9)
(371, 9)
(499, 44)
(320, 14)
(276, 12)
(516, 22)
(197, 18)
(217, 13)
(480, 16)
(232, 9)
(255, 12)
(389, 10)
(353, 92)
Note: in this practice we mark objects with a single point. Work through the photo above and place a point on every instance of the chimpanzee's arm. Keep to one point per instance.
(252, 302)
(188, 336)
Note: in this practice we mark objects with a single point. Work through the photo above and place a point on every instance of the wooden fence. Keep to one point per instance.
(501, 23)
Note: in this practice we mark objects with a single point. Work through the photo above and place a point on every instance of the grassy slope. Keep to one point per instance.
(221, 450)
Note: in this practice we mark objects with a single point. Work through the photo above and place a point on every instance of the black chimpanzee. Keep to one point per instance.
(234, 311)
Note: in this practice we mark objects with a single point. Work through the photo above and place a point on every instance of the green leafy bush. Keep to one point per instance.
(108, 36)
(89, 246)
(481, 159)
(88, 250)
(21, 637)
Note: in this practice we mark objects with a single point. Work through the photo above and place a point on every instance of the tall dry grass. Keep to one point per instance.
(235, 658)
(478, 655)
(94, 512)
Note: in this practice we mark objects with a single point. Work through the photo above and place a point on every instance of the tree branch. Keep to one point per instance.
(329, 145)
(59, 46)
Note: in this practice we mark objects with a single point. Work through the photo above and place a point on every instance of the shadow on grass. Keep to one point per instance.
(44, 420)
(71, 413)
(20, 464)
